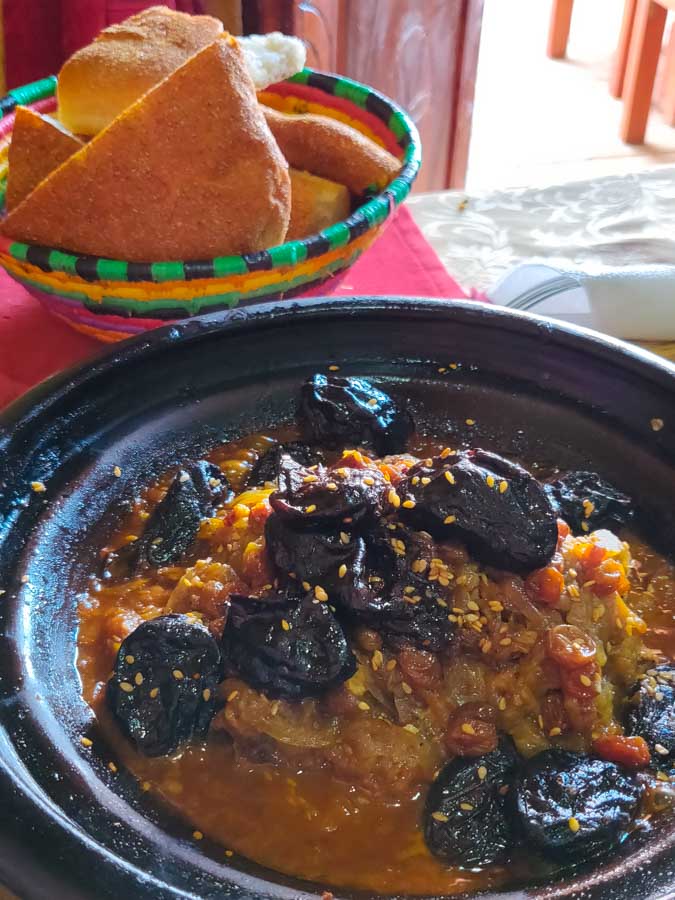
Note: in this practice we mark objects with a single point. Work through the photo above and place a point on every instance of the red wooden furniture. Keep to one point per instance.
(642, 60)
(559, 28)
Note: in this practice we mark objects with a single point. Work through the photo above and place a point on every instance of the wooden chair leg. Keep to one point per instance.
(619, 70)
(559, 28)
(668, 86)
(643, 57)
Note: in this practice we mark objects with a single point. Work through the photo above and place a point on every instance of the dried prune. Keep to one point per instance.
(341, 412)
(650, 714)
(586, 499)
(383, 592)
(195, 493)
(323, 498)
(572, 806)
(316, 557)
(495, 506)
(163, 686)
(285, 646)
(268, 466)
(466, 820)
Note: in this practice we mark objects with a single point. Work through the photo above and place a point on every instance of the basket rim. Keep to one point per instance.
(370, 214)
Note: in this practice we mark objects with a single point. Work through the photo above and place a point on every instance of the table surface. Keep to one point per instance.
(619, 220)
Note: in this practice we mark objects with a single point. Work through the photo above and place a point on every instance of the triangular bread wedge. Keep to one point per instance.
(39, 145)
(124, 61)
(189, 171)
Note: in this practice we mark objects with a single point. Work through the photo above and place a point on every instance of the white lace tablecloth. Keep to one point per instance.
(622, 220)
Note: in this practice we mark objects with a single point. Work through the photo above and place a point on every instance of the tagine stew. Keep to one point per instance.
(359, 656)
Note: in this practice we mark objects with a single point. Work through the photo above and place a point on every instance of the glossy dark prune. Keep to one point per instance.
(195, 493)
(267, 467)
(571, 806)
(472, 825)
(162, 691)
(326, 497)
(311, 556)
(286, 647)
(352, 412)
(383, 592)
(494, 506)
(650, 714)
(585, 498)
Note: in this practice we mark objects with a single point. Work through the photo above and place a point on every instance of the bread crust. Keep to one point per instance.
(331, 149)
(189, 171)
(126, 60)
(39, 145)
(316, 203)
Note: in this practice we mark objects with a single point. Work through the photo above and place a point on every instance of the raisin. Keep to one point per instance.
(285, 646)
(163, 686)
(341, 412)
(325, 498)
(586, 499)
(650, 714)
(571, 806)
(268, 465)
(495, 506)
(466, 821)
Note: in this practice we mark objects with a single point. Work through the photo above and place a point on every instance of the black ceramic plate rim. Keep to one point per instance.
(38, 401)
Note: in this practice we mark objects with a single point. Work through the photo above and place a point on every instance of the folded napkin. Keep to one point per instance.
(632, 302)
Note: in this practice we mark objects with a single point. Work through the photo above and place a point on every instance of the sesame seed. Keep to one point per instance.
(490, 481)
(25, 579)
(126, 687)
(495, 606)
(38, 486)
(442, 370)
(446, 451)
(467, 807)
(311, 508)
(439, 817)
(585, 680)
(372, 402)
(197, 835)
(331, 486)
(344, 537)
(394, 498)
(232, 695)
(661, 750)
(285, 625)
(86, 742)
(145, 785)
(411, 728)
(406, 687)
(573, 824)
(453, 365)
(415, 479)
(503, 487)
(206, 694)
(117, 471)
(138, 678)
(425, 479)
(369, 481)
(589, 508)
(112, 767)
(505, 642)
(449, 477)
(482, 773)
(470, 421)
(502, 703)
(308, 479)
(473, 605)
(391, 665)
(2, 592)
(342, 571)
(540, 721)
(363, 705)
(584, 526)
(448, 520)
(177, 674)
(320, 594)
(467, 728)
(333, 368)
(154, 692)
(377, 660)
(554, 732)
(229, 853)
(409, 504)
(657, 424)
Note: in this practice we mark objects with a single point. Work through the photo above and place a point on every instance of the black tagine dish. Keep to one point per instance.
(349, 597)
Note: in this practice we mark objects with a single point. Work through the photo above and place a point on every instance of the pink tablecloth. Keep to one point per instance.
(34, 345)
